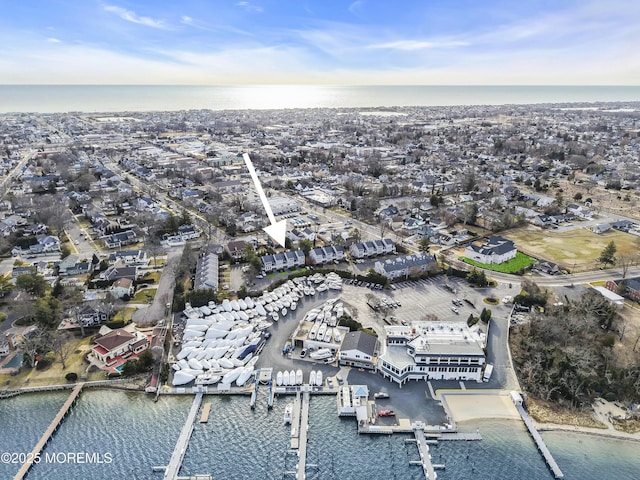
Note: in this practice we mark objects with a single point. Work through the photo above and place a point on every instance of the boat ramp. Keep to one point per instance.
(46, 436)
(546, 454)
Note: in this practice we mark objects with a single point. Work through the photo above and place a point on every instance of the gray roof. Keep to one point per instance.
(359, 341)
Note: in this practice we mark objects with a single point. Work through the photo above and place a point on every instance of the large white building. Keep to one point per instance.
(281, 205)
(496, 250)
(432, 351)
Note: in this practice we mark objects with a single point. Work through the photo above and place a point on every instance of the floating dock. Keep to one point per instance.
(540, 443)
(171, 472)
(206, 410)
(423, 448)
(26, 466)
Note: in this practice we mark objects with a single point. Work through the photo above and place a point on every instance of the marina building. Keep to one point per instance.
(432, 351)
(359, 350)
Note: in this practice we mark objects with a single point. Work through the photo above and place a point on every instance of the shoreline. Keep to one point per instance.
(466, 407)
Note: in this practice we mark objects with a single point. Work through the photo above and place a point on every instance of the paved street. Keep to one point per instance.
(158, 309)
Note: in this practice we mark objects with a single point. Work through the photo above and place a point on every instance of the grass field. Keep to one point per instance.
(575, 250)
(520, 262)
(55, 374)
(145, 295)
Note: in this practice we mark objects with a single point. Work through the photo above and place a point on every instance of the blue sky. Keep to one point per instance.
(462, 42)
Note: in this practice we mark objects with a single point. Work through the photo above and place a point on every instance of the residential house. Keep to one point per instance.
(117, 271)
(234, 249)
(88, 315)
(121, 239)
(495, 251)
(601, 228)
(282, 261)
(630, 287)
(406, 266)
(372, 249)
(138, 258)
(188, 232)
(122, 287)
(324, 255)
(358, 350)
(116, 345)
(207, 272)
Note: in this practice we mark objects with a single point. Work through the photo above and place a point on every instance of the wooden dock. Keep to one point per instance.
(46, 436)
(295, 424)
(206, 410)
(302, 445)
(423, 449)
(557, 473)
(171, 472)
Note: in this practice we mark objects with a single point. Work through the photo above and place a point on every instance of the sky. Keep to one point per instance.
(361, 42)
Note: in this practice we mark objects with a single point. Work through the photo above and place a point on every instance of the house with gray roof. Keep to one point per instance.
(358, 349)
(406, 266)
(495, 250)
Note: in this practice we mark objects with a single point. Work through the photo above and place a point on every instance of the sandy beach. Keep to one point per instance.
(468, 406)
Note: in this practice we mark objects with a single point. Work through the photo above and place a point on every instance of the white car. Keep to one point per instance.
(455, 310)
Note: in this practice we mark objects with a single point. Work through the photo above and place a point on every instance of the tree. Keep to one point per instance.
(608, 255)
(355, 233)
(424, 244)
(62, 347)
(130, 368)
(32, 283)
(469, 213)
(145, 361)
(578, 196)
(305, 245)
(48, 312)
(485, 315)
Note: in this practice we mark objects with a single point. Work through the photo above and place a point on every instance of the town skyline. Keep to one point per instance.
(356, 43)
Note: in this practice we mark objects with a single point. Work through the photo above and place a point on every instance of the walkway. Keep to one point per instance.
(35, 453)
(171, 472)
(423, 448)
(302, 445)
(540, 443)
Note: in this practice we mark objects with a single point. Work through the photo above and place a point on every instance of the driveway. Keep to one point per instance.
(151, 314)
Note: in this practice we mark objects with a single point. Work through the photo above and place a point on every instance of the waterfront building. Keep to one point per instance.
(432, 351)
(115, 346)
(359, 350)
(495, 251)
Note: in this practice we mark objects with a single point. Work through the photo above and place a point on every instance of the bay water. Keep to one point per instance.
(240, 443)
(134, 98)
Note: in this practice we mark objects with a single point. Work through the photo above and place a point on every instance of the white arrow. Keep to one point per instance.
(277, 230)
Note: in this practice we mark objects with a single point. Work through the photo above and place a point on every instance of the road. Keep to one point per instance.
(158, 309)
(26, 156)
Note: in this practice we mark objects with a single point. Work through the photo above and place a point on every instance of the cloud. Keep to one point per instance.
(249, 7)
(53, 40)
(410, 45)
(133, 17)
(355, 7)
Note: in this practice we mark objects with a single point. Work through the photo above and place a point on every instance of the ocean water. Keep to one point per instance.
(118, 98)
(240, 443)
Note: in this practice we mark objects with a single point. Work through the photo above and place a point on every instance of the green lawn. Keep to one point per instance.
(512, 266)
(143, 296)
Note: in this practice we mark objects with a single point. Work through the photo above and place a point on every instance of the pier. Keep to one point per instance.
(35, 453)
(302, 445)
(423, 448)
(553, 466)
(171, 472)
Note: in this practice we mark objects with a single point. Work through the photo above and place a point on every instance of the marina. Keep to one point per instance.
(35, 453)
